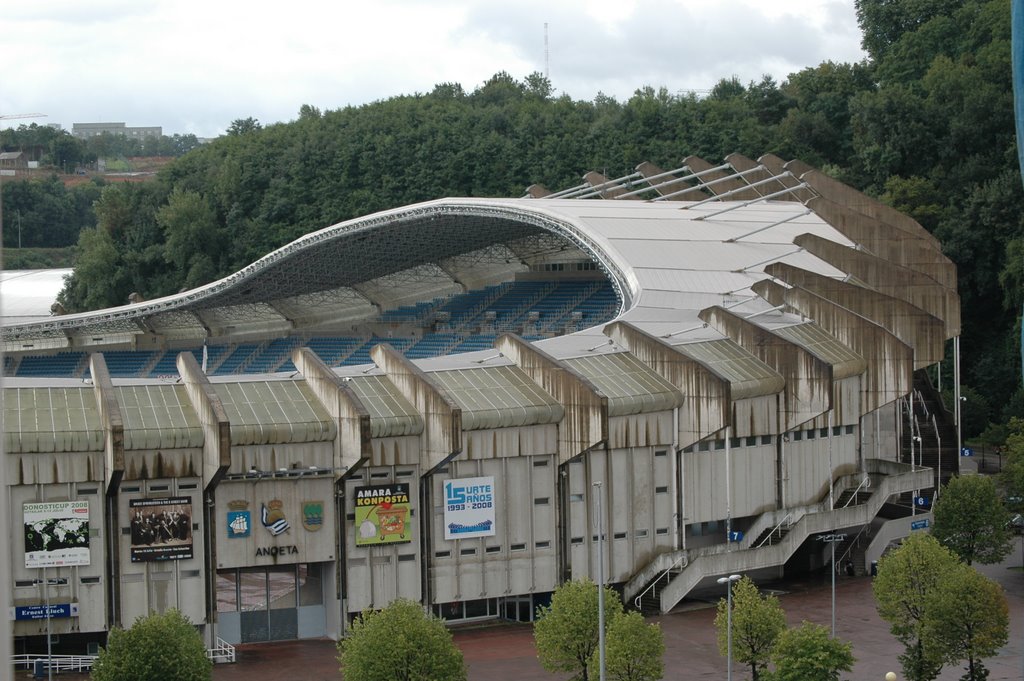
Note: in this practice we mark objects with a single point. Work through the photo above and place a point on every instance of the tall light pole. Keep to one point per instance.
(728, 621)
(831, 540)
(600, 586)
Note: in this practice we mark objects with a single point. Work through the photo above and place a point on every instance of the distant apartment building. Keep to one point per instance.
(87, 130)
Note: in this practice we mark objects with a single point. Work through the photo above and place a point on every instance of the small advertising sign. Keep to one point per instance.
(382, 514)
(161, 529)
(469, 508)
(56, 533)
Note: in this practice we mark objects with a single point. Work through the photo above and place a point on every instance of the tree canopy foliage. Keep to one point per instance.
(809, 652)
(940, 609)
(971, 520)
(757, 621)
(158, 647)
(566, 632)
(925, 124)
(400, 643)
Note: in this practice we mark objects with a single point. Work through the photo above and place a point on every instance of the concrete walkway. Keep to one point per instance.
(506, 652)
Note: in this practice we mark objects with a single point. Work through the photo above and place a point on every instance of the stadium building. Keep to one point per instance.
(433, 402)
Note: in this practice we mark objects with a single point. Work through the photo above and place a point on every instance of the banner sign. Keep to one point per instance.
(161, 528)
(469, 508)
(38, 612)
(382, 514)
(56, 533)
(919, 524)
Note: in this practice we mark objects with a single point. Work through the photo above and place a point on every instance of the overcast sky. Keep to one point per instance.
(194, 66)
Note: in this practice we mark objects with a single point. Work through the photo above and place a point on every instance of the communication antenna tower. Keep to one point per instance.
(547, 70)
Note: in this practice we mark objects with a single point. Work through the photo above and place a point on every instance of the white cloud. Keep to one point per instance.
(194, 66)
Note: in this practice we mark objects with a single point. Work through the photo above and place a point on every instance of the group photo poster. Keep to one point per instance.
(161, 529)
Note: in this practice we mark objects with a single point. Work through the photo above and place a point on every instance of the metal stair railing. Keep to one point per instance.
(786, 520)
(866, 482)
(720, 559)
(678, 563)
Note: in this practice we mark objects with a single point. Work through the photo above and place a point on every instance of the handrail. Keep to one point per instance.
(222, 651)
(59, 663)
(680, 562)
(849, 549)
(769, 535)
(866, 482)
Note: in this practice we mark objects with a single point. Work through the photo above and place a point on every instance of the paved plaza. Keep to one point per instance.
(506, 651)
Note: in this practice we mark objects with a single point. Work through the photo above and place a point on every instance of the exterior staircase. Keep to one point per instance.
(674, 574)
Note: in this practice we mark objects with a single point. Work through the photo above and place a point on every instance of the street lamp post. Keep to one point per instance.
(831, 540)
(727, 581)
(600, 587)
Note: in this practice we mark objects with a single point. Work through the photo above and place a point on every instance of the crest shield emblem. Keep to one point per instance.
(312, 515)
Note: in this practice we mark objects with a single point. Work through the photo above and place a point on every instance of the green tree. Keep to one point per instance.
(633, 649)
(400, 643)
(970, 519)
(757, 622)
(1013, 467)
(968, 618)
(903, 590)
(809, 652)
(566, 632)
(158, 647)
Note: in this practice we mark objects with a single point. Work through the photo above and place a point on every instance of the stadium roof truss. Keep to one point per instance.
(672, 243)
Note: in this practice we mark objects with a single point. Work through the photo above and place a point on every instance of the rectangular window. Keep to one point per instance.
(130, 489)
(467, 552)
(823, 432)
(797, 435)
(189, 573)
(640, 533)
(688, 449)
(751, 441)
(619, 535)
(837, 430)
(406, 557)
(540, 463)
(493, 549)
(187, 485)
(311, 590)
(518, 547)
(541, 501)
(703, 446)
(158, 488)
(92, 580)
(82, 491)
(734, 442)
(575, 497)
(810, 434)
(849, 430)
(442, 554)
(660, 452)
(576, 540)
(380, 474)
(719, 444)
(661, 530)
(403, 474)
(766, 439)
(543, 544)
(661, 489)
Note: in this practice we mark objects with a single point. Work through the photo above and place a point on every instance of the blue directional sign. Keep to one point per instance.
(966, 451)
(920, 501)
(38, 612)
(919, 524)
(736, 535)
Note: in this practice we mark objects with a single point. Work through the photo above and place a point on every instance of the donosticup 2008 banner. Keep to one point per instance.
(56, 533)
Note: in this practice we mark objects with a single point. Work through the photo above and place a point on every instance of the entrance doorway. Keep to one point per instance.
(274, 603)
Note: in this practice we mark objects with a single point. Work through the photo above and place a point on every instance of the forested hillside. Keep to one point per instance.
(925, 124)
